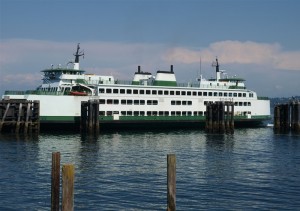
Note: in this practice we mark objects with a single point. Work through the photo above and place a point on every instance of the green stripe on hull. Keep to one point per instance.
(74, 119)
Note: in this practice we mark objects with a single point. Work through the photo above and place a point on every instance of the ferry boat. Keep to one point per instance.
(146, 101)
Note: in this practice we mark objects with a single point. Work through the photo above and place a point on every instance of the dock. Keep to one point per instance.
(19, 116)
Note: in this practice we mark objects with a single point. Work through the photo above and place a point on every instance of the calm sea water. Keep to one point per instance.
(252, 169)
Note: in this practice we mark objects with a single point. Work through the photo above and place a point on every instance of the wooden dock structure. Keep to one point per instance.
(219, 117)
(19, 116)
(89, 119)
(287, 117)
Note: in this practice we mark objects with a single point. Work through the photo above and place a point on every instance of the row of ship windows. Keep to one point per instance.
(172, 92)
(158, 113)
(152, 113)
(155, 102)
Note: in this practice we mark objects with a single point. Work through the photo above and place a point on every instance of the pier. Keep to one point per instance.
(219, 117)
(19, 116)
(89, 120)
(287, 117)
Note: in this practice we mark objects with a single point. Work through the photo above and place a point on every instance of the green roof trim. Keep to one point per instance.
(165, 83)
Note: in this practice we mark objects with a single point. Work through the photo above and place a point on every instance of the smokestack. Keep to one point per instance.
(139, 69)
(172, 68)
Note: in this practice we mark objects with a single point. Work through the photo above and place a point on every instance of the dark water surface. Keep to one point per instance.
(252, 169)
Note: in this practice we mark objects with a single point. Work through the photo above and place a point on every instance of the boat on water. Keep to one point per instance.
(146, 101)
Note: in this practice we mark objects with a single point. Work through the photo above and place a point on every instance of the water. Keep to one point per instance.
(252, 169)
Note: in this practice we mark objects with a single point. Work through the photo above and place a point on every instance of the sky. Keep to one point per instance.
(258, 40)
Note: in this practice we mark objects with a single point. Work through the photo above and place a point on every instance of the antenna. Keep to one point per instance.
(78, 54)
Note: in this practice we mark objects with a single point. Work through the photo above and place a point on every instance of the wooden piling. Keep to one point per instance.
(89, 121)
(68, 187)
(55, 181)
(171, 182)
(220, 117)
(19, 116)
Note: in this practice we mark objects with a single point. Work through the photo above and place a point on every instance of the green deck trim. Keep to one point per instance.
(165, 83)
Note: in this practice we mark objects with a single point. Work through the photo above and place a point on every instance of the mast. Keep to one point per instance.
(77, 55)
(218, 74)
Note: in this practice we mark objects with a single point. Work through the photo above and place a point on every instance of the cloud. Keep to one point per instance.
(238, 52)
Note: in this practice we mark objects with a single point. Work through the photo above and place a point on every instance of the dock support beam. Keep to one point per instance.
(287, 117)
(89, 121)
(220, 117)
(19, 116)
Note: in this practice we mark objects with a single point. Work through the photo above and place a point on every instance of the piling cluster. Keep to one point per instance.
(19, 116)
(219, 117)
(89, 121)
(287, 117)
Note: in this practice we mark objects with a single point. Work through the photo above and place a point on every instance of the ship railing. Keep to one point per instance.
(262, 98)
(33, 92)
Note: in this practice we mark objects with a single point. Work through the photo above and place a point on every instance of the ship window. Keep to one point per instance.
(245, 103)
(201, 113)
(236, 103)
(234, 94)
(178, 113)
(220, 94)
(135, 91)
(178, 102)
(108, 113)
(189, 113)
(109, 101)
(171, 92)
(184, 113)
(205, 102)
(149, 102)
(123, 102)
(148, 113)
(215, 94)
(166, 92)
(129, 113)
(101, 90)
(189, 102)
(249, 103)
(250, 94)
(116, 91)
(182, 92)
(148, 92)
(135, 113)
(160, 92)
(154, 113)
(108, 90)
(230, 94)
(204, 93)
(155, 102)
(129, 91)
(101, 101)
(122, 91)
(188, 93)
(240, 103)
(240, 94)
(129, 102)
(173, 102)
(116, 101)
(102, 113)
(136, 102)
(172, 113)
(161, 113)
(195, 113)
(209, 93)
(244, 94)
(225, 94)
(142, 92)
(154, 92)
(142, 102)
(183, 102)
(166, 113)
(177, 92)
(194, 93)
(142, 113)
(199, 93)
(123, 113)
